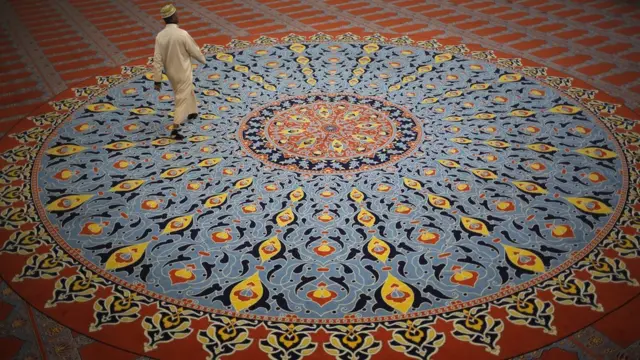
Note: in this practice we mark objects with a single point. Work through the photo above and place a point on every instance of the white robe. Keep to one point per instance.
(174, 50)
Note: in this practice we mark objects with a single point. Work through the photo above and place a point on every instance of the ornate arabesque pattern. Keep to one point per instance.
(524, 308)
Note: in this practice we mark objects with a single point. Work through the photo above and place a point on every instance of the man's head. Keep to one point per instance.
(169, 14)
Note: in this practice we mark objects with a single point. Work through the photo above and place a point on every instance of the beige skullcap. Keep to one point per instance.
(167, 11)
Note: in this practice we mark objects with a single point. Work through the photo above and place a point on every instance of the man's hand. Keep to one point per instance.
(157, 86)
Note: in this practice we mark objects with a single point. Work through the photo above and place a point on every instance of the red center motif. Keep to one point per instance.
(330, 130)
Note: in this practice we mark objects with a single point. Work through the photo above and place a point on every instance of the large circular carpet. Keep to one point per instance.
(338, 196)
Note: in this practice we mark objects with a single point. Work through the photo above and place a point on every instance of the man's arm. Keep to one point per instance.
(194, 50)
(157, 66)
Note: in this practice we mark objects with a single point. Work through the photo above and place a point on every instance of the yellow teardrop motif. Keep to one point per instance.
(127, 185)
(126, 256)
(412, 184)
(177, 224)
(173, 173)
(68, 203)
(285, 217)
(65, 150)
(475, 225)
(366, 218)
(524, 259)
(397, 294)
(597, 153)
(216, 200)
(247, 292)
(378, 249)
(356, 195)
(591, 206)
(244, 183)
(269, 248)
(296, 195)
(439, 201)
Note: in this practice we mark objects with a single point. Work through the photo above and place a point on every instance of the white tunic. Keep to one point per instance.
(174, 50)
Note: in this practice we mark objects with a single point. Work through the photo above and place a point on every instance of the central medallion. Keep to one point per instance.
(330, 133)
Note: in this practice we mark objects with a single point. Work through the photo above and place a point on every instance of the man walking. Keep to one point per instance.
(173, 51)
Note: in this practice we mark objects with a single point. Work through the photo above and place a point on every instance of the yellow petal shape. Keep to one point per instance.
(522, 113)
(412, 184)
(484, 174)
(461, 140)
(452, 94)
(524, 259)
(354, 82)
(591, 206)
(364, 60)
(597, 153)
(542, 148)
(509, 78)
(397, 294)
(65, 150)
(126, 256)
(177, 224)
(198, 138)
(269, 248)
(244, 183)
(371, 48)
(211, 92)
(480, 86)
(408, 79)
(256, 78)
(449, 163)
(366, 218)
(209, 162)
(439, 201)
(101, 107)
(453, 118)
(358, 71)
(425, 68)
(285, 217)
(363, 138)
(241, 68)
(209, 116)
(475, 225)
(484, 116)
(306, 143)
(224, 57)
(565, 109)
(378, 249)
(247, 292)
(395, 87)
(173, 172)
(127, 185)
(298, 48)
(356, 195)
(296, 195)
(499, 144)
(530, 187)
(443, 57)
(163, 142)
(431, 100)
(337, 146)
(216, 200)
(69, 202)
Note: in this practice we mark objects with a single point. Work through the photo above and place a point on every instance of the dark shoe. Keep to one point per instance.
(175, 134)
(192, 116)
